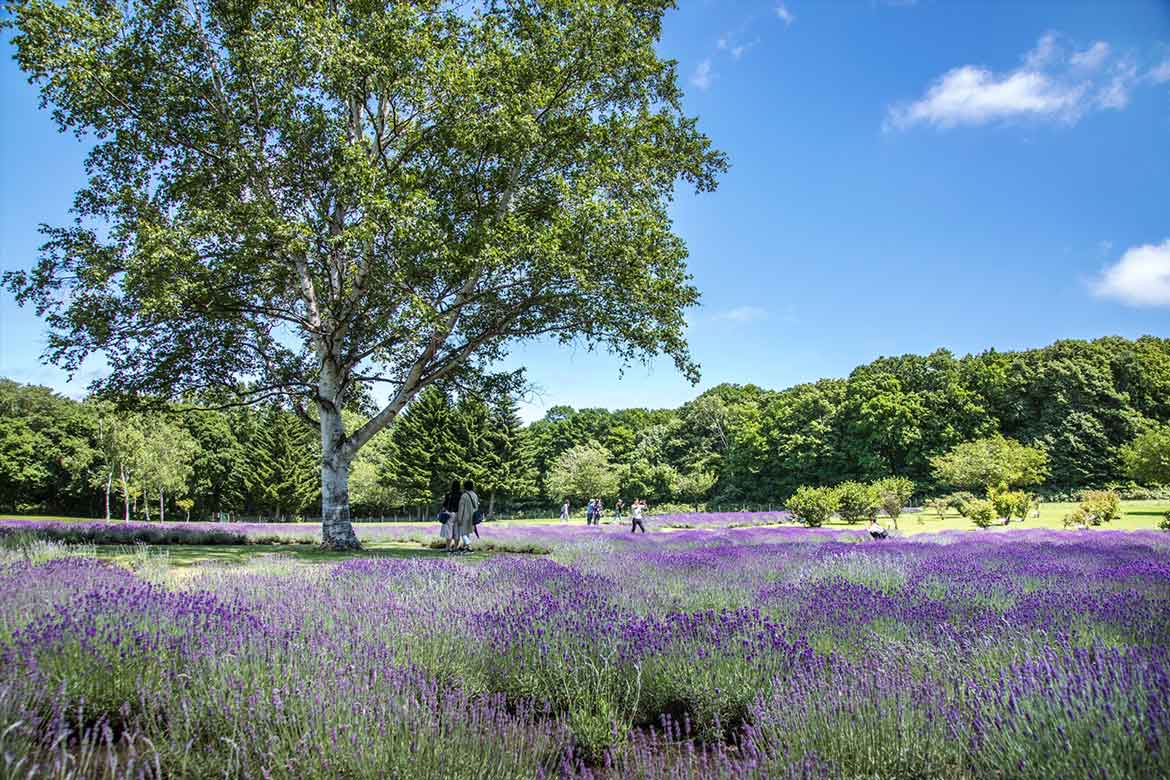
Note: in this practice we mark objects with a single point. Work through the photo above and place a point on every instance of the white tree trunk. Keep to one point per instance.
(125, 495)
(336, 530)
(161, 510)
(109, 487)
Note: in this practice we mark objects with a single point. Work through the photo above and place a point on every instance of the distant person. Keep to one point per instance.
(565, 511)
(876, 530)
(466, 516)
(589, 509)
(447, 513)
(636, 510)
(598, 512)
(617, 511)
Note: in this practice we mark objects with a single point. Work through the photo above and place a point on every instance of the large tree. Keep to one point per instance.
(989, 462)
(320, 197)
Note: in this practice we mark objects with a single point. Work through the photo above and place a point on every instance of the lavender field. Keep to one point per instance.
(733, 653)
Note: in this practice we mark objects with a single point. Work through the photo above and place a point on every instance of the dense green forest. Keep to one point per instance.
(1079, 400)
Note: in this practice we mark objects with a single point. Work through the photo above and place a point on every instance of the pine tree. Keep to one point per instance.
(510, 457)
(281, 471)
(424, 445)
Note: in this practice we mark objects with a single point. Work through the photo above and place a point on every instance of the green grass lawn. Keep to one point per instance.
(1135, 516)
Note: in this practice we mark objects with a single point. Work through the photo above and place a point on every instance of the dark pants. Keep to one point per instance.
(877, 535)
(635, 524)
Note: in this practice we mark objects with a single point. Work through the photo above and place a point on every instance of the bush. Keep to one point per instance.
(1010, 503)
(1078, 518)
(959, 501)
(813, 505)
(1165, 524)
(856, 501)
(1103, 506)
(981, 512)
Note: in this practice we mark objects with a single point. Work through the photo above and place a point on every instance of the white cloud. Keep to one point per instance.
(703, 77)
(743, 314)
(1092, 57)
(1042, 55)
(741, 49)
(1115, 94)
(1052, 84)
(1140, 278)
(1160, 74)
(785, 15)
(975, 96)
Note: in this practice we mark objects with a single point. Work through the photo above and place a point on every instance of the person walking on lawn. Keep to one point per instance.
(447, 515)
(466, 517)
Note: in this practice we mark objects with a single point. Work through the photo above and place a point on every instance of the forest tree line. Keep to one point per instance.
(1081, 401)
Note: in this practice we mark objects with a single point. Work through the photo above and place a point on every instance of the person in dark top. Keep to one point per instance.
(447, 515)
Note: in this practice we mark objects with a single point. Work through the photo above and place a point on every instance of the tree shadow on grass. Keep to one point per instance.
(191, 554)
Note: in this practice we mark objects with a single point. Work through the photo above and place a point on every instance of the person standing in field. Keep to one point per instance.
(598, 511)
(447, 513)
(466, 516)
(565, 511)
(617, 511)
(636, 510)
(591, 511)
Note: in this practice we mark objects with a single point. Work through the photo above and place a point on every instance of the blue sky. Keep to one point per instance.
(905, 176)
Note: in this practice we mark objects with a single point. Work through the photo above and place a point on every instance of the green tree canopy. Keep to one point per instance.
(1147, 457)
(320, 197)
(583, 472)
(991, 461)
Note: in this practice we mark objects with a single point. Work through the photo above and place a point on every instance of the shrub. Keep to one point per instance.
(1165, 523)
(981, 512)
(1103, 506)
(856, 501)
(813, 505)
(959, 501)
(1078, 518)
(1010, 503)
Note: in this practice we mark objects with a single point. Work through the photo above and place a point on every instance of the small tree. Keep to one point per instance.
(857, 501)
(186, 504)
(694, 486)
(995, 460)
(813, 505)
(893, 494)
(1165, 523)
(1147, 458)
(1102, 506)
(582, 472)
(981, 512)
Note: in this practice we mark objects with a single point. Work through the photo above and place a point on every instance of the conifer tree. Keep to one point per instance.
(510, 457)
(424, 443)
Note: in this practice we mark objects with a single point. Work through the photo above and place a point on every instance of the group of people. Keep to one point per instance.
(460, 516)
(595, 509)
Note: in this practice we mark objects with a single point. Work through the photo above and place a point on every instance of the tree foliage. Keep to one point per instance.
(581, 473)
(1147, 457)
(989, 462)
